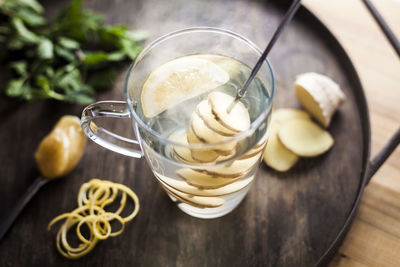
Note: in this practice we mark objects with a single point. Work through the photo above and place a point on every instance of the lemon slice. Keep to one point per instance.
(179, 80)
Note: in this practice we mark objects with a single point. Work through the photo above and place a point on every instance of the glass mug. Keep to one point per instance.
(207, 187)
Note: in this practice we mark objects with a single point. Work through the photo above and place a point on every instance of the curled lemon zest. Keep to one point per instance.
(93, 197)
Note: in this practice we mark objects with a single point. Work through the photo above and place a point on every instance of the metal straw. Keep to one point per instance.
(286, 19)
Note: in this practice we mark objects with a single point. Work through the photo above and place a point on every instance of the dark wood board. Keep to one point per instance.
(287, 219)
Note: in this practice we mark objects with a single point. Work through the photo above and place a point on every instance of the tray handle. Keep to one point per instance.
(383, 154)
(391, 145)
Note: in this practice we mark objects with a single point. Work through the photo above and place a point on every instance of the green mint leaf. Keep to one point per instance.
(86, 89)
(116, 56)
(46, 91)
(83, 96)
(29, 17)
(43, 83)
(33, 4)
(68, 43)
(100, 57)
(49, 72)
(45, 49)
(20, 67)
(77, 23)
(38, 93)
(95, 58)
(25, 34)
(70, 81)
(111, 34)
(65, 53)
(15, 87)
(81, 99)
(51, 53)
(137, 36)
(93, 19)
(130, 48)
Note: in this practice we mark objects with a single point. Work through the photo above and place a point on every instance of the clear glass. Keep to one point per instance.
(202, 188)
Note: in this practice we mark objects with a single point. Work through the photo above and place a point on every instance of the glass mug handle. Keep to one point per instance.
(105, 138)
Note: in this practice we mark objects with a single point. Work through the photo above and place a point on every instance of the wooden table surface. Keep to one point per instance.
(374, 238)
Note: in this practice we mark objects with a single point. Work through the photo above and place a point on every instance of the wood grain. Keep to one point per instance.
(376, 224)
(286, 220)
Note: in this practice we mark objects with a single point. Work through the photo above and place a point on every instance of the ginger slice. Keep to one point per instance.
(184, 187)
(236, 169)
(201, 155)
(277, 156)
(305, 138)
(202, 132)
(238, 119)
(281, 115)
(197, 201)
(203, 180)
(204, 110)
(181, 152)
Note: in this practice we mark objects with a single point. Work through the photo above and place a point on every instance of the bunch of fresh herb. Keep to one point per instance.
(67, 58)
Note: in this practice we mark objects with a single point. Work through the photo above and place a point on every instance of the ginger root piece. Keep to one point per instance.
(319, 95)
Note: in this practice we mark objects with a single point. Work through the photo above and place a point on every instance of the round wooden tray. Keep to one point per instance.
(287, 219)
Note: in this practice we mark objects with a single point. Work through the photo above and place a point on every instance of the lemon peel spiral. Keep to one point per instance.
(93, 197)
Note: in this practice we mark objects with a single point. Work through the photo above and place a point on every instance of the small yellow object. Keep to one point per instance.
(93, 197)
(281, 115)
(305, 138)
(61, 150)
(277, 156)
